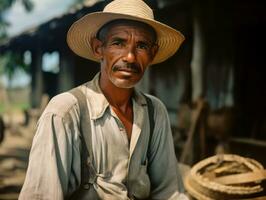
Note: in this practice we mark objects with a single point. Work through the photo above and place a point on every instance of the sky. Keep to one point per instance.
(43, 10)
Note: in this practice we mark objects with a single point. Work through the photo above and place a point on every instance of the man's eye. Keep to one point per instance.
(117, 43)
(143, 46)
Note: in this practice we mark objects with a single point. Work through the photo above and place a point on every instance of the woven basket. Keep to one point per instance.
(202, 183)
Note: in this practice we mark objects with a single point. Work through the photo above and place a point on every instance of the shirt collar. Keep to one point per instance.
(98, 102)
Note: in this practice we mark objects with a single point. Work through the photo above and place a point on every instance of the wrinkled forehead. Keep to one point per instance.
(102, 33)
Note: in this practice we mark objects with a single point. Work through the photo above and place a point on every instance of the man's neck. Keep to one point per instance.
(119, 98)
(120, 102)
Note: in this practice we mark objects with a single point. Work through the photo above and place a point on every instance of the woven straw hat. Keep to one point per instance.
(82, 31)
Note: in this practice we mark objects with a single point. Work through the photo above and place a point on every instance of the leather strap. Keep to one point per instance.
(151, 120)
(88, 173)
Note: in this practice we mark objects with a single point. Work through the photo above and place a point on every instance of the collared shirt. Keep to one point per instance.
(54, 165)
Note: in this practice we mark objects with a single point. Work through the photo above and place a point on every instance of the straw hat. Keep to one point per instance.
(83, 30)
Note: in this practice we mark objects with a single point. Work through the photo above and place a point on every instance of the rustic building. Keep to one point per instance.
(220, 61)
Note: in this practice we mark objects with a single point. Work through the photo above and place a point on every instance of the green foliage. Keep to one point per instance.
(5, 5)
(3, 27)
(28, 5)
(10, 61)
(75, 3)
(14, 106)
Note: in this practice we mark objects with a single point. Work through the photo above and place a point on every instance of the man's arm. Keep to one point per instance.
(52, 171)
(166, 181)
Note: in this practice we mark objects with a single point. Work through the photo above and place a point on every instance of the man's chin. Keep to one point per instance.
(126, 84)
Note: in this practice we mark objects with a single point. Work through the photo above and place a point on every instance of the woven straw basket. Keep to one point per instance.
(225, 177)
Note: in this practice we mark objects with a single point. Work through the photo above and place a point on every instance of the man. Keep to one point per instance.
(125, 39)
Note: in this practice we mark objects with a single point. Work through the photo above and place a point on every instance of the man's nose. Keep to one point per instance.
(130, 56)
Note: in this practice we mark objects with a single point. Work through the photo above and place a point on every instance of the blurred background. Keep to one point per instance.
(214, 87)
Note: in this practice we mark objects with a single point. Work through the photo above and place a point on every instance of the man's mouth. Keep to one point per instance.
(126, 69)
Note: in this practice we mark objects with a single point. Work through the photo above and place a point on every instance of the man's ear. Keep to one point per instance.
(154, 51)
(96, 45)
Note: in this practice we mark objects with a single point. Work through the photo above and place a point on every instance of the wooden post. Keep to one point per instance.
(37, 78)
(66, 73)
(198, 53)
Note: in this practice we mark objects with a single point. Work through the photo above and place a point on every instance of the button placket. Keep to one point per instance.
(122, 131)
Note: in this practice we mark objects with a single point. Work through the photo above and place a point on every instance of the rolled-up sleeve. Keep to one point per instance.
(51, 173)
(166, 181)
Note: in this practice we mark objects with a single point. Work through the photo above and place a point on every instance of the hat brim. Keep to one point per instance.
(82, 31)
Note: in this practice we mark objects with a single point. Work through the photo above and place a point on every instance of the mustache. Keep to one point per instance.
(127, 66)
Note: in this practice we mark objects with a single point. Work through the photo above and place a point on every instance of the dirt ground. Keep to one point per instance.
(14, 152)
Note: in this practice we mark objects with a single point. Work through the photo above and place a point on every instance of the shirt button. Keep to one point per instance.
(121, 129)
(86, 186)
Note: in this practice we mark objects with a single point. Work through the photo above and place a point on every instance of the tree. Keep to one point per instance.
(9, 61)
(4, 6)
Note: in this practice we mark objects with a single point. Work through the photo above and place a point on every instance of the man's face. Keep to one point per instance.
(126, 50)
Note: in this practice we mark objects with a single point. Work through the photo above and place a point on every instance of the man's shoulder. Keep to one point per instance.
(160, 110)
(155, 101)
(61, 104)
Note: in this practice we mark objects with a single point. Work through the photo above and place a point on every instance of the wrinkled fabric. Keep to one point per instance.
(54, 165)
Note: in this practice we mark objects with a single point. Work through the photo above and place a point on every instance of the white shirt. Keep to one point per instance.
(54, 164)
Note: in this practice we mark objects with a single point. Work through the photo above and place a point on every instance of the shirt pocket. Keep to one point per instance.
(141, 184)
